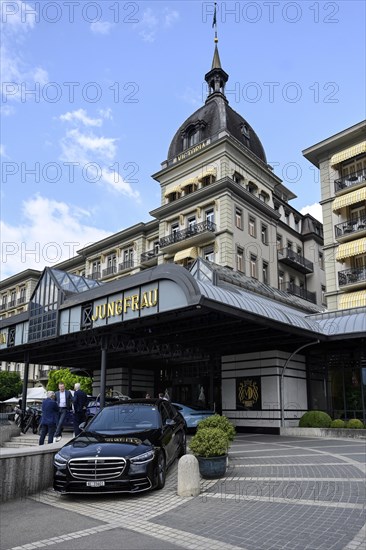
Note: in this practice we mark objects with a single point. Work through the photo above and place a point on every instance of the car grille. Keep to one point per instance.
(97, 467)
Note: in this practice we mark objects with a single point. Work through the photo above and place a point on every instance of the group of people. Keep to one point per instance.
(161, 396)
(54, 410)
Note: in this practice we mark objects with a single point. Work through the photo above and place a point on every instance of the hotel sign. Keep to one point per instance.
(132, 302)
(192, 151)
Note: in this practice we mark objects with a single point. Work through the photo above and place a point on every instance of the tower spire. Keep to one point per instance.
(216, 78)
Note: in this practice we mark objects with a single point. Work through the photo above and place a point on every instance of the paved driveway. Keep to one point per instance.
(279, 492)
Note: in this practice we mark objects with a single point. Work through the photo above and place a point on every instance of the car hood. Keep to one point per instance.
(97, 444)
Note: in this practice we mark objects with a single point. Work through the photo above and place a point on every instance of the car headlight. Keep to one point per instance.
(59, 460)
(141, 459)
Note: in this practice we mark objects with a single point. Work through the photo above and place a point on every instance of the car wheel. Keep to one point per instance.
(183, 445)
(161, 471)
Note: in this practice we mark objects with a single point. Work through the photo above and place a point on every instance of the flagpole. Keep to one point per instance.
(214, 24)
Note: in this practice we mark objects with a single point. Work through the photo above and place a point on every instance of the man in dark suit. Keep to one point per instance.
(49, 418)
(64, 402)
(80, 402)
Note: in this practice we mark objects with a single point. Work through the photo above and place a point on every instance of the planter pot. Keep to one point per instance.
(212, 467)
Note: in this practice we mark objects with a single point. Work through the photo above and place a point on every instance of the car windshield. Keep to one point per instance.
(126, 418)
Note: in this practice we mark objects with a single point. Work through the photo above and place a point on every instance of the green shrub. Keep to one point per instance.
(338, 423)
(209, 442)
(315, 419)
(354, 424)
(217, 421)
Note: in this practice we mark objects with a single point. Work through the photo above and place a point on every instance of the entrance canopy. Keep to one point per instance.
(166, 312)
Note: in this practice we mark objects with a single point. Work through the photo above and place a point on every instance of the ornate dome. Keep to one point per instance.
(215, 116)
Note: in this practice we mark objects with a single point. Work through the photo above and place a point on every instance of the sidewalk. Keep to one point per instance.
(280, 492)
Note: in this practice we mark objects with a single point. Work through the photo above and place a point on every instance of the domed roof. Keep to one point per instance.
(215, 116)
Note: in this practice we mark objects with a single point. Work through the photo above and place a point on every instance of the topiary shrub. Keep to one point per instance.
(338, 423)
(315, 419)
(217, 421)
(354, 424)
(209, 442)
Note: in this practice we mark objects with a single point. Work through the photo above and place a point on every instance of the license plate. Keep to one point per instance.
(95, 483)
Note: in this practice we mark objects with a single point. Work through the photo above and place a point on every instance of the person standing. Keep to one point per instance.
(49, 418)
(64, 402)
(80, 402)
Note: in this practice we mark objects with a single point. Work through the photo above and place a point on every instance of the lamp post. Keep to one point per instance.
(282, 392)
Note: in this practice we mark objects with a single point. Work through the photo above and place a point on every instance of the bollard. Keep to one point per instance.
(188, 476)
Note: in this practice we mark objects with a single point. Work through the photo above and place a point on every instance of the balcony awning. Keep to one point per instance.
(186, 253)
(353, 248)
(208, 172)
(171, 190)
(353, 299)
(348, 153)
(349, 198)
(190, 181)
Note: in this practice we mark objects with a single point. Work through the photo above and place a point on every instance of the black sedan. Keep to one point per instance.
(125, 448)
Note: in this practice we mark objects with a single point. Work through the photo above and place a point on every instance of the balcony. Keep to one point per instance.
(299, 291)
(352, 276)
(128, 264)
(349, 181)
(295, 260)
(150, 257)
(95, 275)
(111, 270)
(350, 227)
(197, 233)
(3, 307)
(21, 301)
(12, 303)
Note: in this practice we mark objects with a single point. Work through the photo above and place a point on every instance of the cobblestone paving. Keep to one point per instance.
(291, 493)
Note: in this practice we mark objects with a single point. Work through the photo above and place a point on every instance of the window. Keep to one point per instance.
(209, 254)
(95, 274)
(321, 260)
(299, 250)
(238, 178)
(174, 228)
(252, 188)
(210, 217)
(297, 221)
(240, 259)
(253, 266)
(192, 137)
(264, 233)
(128, 257)
(281, 280)
(3, 301)
(12, 298)
(265, 272)
(251, 226)
(191, 223)
(287, 217)
(289, 245)
(207, 180)
(156, 247)
(238, 218)
(279, 242)
(324, 300)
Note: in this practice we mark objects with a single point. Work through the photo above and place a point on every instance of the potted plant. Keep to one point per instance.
(210, 446)
(218, 421)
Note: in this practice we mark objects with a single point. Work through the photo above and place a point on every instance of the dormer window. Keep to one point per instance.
(238, 178)
(192, 137)
(252, 188)
(193, 134)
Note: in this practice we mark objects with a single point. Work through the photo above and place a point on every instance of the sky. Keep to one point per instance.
(92, 93)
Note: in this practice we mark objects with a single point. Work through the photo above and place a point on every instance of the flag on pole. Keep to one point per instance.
(214, 18)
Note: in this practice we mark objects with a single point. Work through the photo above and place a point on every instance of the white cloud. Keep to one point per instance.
(314, 210)
(2, 150)
(7, 110)
(101, 27)
(81, 116)
(150, 23)
(26, 244)
(96, 152)
(15, 69)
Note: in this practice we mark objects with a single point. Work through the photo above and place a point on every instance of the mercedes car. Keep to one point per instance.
(125, 448)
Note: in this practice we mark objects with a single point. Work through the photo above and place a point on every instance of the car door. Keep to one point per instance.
(169, 428)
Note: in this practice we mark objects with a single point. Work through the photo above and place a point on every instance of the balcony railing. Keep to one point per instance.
(194, 229)
(111, 270)
(299, 291)
(12, 303)
(95, 275)
(21, 301)
(350, 180)
(3, 307)
(149, 255)
(128, 264)
(352, 276)
(295, 260)
(350, 226)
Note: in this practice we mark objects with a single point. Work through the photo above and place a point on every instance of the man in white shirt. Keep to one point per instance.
(64, 402)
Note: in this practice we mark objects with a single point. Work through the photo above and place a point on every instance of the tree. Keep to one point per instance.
(69, 379)
(10, 385)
